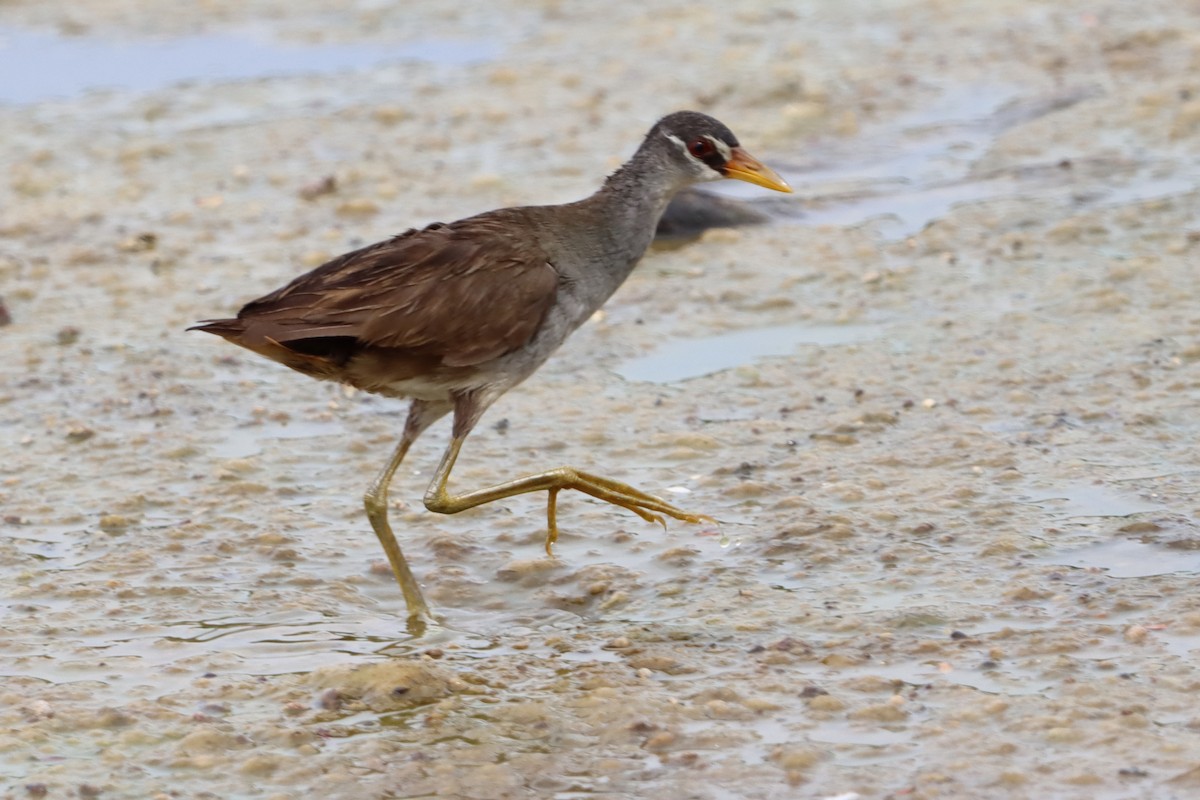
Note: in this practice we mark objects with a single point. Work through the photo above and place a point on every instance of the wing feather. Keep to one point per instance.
(461, 293)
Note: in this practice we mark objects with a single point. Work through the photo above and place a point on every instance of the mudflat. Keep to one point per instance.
(944, 404)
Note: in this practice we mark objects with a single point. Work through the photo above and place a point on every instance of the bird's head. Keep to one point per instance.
(706, 150)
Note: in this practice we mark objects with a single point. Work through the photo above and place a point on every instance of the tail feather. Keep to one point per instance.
(221, 327)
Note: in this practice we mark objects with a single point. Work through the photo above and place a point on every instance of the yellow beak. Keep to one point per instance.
(745, 167)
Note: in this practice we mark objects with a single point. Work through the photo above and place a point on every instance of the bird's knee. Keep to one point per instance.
(562, 477)
(439, 504)
(374, 504)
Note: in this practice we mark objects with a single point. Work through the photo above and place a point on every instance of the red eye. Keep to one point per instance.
(701, 148)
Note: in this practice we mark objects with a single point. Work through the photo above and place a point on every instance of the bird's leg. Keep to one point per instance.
(420, 416)
(466, 413)
(551, 520)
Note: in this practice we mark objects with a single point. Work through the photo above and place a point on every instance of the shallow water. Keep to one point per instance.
(1092, 500)
(66, 66)
(1125, 558)
(681, 360)
(928, 163)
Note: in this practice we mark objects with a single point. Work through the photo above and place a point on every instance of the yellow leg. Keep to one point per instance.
(551, 521)
(646, 506)
(375, 501)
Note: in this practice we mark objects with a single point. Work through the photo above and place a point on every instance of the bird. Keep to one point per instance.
(453, 315)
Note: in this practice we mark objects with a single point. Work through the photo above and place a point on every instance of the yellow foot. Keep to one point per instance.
(419, 624)
(646, 506)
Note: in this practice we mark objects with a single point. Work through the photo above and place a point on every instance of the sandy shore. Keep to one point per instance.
(945, 408)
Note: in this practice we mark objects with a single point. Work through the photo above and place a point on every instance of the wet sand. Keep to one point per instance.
(944, 407)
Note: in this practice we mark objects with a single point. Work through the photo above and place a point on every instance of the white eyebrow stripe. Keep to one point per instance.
(725, 150)
(722, 148)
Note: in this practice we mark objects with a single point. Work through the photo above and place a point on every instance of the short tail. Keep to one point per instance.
(227, 328)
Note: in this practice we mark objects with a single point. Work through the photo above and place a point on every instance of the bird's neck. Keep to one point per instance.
(627, 209)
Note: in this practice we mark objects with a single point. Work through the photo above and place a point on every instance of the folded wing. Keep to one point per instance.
(457, 294)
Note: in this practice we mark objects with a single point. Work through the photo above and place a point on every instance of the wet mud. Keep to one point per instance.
(943, 401)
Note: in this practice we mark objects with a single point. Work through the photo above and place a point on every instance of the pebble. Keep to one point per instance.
(358, 207)
(1136, 633)
(318, 188)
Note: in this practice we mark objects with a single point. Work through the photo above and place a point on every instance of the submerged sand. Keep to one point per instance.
(945, 407)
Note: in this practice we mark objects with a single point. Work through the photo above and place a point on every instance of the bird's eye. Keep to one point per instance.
(701, 148)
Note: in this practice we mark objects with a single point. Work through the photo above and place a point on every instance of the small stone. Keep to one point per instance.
(838, 660)
(721, 709)
(1083, 779)
(358, 207)
(142, 243)
(760, 705)
(1134, 720)
(660, 663)
(660, 741)
(390, 115)
(113, 523)
(503, 76)
(260, 765)
(330, 700)
(524, 569)
(67, 335)
(207, 740)
(113, 718)
(486, 180)
(880, 712)
(383, 686)
(1063, 735)
(795, 758)
(1025, 594)
(40, 709)
(79, 433)
(1012, 778)
(826, 702)
(293, 709)
(996, 707)
(318, 188)
(1136, 633)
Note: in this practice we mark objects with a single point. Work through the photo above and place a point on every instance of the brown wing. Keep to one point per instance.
(461, 294)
